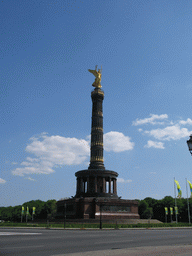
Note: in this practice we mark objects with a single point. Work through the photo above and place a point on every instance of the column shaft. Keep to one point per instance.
(78, 187)
(104, 185)
(115, 186)
(88, 184)
(109, 185)
(84, 186)
(81, 185)
(96, 159)
(95, 184)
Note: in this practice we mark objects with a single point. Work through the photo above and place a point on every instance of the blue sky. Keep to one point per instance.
(46, 49)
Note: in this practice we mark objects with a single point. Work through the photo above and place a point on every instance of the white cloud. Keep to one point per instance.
(29, 178)
(117, 142)
(154, 144)
(14, 163)
(150, 120)
(188, 121)
(174, 132)
(121, 180)
(88, 138)
(2, 181)
(51, 152)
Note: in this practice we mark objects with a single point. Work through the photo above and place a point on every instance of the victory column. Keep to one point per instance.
(96, 186)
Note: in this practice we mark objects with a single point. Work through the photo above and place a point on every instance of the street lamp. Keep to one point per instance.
(101, 215)
(189, 143)
(100, 210)
(65, 214)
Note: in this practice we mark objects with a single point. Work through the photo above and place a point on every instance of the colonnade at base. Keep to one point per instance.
(97, 184)
(92, 183)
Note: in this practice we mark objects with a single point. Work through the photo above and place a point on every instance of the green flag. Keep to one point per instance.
(22, 211)
(171, 210)
(34, 210)
(27, 210)
(176, 210)
(166, 210)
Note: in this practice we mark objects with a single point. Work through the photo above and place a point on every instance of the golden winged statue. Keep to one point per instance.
(97, 74)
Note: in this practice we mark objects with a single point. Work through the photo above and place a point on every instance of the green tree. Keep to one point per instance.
(143, 209)
(51, 208)
(148, 213)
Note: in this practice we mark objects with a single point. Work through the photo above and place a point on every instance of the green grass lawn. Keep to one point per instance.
(92, 225)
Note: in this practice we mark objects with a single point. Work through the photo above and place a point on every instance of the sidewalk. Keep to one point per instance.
(140, 251)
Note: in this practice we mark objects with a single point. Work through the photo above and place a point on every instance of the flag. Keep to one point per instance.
(171, 210)
(22, 212)
(34, 210)
(176, 210)
(179, 189)
(166, 210)
(190, 185)
(27, 210)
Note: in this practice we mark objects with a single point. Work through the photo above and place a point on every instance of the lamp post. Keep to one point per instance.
(101, 215)
(65, 214)
(189, 143)
(100, 211)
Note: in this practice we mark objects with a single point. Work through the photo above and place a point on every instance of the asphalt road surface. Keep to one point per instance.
(41, 242)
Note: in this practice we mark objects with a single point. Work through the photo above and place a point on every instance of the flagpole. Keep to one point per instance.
(188, 204)
(175, 199)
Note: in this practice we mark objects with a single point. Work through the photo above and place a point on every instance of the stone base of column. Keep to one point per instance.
(91, 208)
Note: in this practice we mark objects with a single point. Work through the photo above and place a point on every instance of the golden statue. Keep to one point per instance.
(97, 74)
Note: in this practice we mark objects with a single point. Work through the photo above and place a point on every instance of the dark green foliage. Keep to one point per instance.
(145, 210)
(148, 208)
(43, 210)
(158, 208)
(143, 206)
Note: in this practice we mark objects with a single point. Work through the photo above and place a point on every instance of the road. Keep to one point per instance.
(40, 242)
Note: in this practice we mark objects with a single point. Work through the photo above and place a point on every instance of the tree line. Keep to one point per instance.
(148, 208)
(155, 209)
(43, 211)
